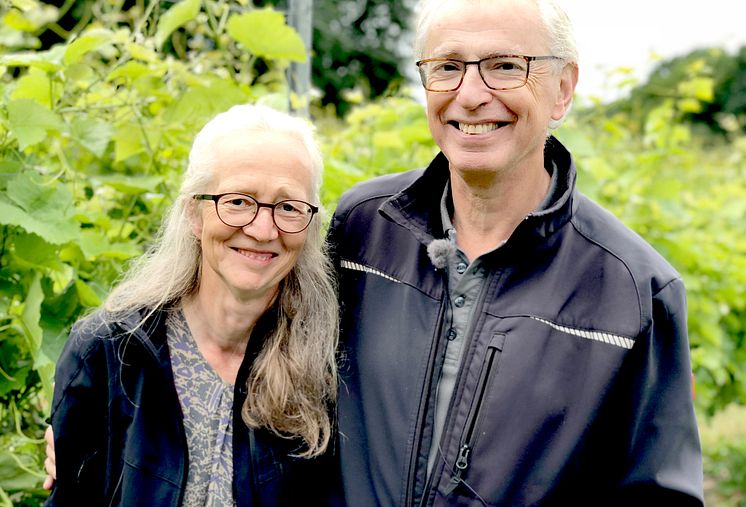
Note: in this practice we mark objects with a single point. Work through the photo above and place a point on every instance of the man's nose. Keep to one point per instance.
(473, 90)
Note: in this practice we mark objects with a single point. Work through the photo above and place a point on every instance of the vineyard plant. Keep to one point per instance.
(94, 134)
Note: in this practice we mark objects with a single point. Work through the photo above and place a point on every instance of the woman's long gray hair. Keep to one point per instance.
(293, 381)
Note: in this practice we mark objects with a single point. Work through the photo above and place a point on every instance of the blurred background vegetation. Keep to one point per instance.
(99, 102)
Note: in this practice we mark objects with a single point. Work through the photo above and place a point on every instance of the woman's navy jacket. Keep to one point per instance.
(119, 433)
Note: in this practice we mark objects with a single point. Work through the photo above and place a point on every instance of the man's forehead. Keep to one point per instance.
(482, 29)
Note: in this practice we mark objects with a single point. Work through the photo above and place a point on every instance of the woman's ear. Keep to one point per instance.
(194, 216)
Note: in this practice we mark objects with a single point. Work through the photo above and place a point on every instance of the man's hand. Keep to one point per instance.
(49, 463)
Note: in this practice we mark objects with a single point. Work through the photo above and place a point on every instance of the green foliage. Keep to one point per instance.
(359, 49)
(94, 133)
(709, 86)
(724, 445)
(387, 136)
(686, 195)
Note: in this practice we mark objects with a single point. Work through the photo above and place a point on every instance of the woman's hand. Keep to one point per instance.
(49, 463)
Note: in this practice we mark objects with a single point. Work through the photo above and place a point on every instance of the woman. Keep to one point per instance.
(208, 376)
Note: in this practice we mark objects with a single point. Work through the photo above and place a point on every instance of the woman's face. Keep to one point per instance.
(249, 262)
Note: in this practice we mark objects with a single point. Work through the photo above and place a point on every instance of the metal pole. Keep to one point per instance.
(300, 17)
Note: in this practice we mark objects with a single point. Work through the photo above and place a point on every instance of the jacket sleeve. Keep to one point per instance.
(79, 423)
(665, 459)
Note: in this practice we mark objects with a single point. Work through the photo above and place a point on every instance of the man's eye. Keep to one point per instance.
(446, 67)
(509, 66)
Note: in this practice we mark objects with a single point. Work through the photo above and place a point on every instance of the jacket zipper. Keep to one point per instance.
(464, 453)
(467, 441)
(421, 410)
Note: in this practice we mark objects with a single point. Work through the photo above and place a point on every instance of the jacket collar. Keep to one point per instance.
(417, 207)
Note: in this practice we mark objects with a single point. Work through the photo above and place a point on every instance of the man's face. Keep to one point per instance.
(484, 131)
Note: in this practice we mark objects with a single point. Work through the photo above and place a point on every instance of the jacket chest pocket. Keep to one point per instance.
(473, 427)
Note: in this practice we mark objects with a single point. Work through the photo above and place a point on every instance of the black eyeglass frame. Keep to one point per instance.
(272, 206)
(478, 63)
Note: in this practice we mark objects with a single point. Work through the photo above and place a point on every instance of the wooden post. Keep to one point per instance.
(300, 17)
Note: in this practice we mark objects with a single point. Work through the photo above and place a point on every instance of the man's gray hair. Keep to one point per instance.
(561, 38)
(559, 31)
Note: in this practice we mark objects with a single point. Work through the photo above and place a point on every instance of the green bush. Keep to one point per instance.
(94, 133)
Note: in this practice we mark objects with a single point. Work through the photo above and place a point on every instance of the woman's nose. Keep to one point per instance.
(263, 227)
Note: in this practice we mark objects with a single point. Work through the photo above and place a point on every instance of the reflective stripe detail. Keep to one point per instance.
(366, 269)
(611, 339)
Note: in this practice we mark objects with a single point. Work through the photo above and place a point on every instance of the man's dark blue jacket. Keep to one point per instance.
(575, 381)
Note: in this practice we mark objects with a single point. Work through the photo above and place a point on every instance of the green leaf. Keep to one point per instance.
(93, 135)
(132, 185)
(128, 141)
(265, 33)
(30, 121)
(176, 16)
(14, 363)
(17, 21)
(94, 245)
(130, 70)
(140, 52)
(31, 314)
(689, 105)
(34, 86)
(87, 296)
(8, 169)
(91, 40)
(33, 252)
(14, 477)
(204, 101)
(54, 233)
(50, 61)
(44, 210)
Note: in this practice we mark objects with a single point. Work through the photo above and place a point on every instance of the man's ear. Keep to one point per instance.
(566, 90)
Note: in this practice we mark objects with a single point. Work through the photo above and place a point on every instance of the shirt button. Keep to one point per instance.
(461, 268)
(459, 301)
(451, 334)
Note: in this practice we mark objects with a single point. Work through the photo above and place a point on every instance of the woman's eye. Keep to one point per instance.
(287, 207)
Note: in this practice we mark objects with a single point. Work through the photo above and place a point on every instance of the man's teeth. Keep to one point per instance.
(479, 128)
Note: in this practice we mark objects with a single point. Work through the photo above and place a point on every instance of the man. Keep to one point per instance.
(505, 340)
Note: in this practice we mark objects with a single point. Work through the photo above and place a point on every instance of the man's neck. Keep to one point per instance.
(485, 215)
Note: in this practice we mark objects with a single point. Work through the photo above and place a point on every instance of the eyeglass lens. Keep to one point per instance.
(499, 73)
(239, 210)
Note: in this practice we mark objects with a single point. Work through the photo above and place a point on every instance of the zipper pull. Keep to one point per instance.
(462, 463)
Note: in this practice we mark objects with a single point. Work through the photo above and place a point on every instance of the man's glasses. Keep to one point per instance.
(239, 210)
(500, 72)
